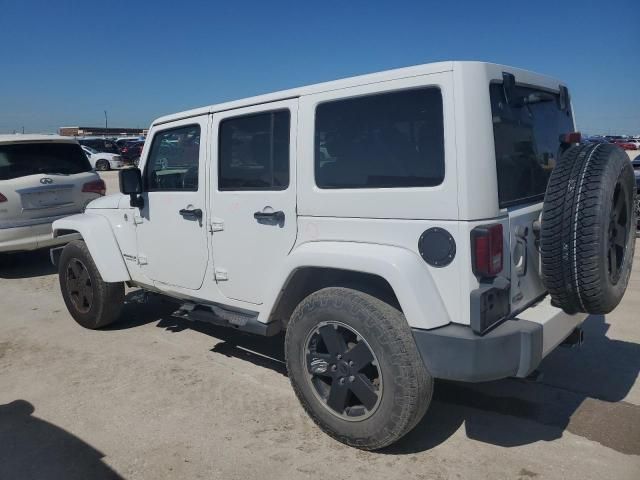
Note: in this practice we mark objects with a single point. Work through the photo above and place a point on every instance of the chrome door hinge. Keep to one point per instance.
(216, 225)
(221, 274)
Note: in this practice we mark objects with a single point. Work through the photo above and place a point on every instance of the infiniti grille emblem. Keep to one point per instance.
(46, 181)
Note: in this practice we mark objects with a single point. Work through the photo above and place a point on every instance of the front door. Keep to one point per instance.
(254, 196)
(171, 228)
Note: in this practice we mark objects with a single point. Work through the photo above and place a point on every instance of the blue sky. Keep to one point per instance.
(65, 62)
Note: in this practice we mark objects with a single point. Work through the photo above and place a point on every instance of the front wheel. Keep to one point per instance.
(354, 366)
(91, 301)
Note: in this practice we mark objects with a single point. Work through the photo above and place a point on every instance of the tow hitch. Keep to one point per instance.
(575, 338)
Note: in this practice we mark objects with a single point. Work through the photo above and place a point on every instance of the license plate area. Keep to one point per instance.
(46, 197)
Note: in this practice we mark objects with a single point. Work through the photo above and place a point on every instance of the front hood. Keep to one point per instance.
(110, 201)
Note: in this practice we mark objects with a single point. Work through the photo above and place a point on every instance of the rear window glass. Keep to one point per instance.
(381, 141)
(22, 159)
(527, 142)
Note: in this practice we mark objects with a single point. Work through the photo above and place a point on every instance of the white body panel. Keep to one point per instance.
(97, 233)
(439, 202)
(173, 250)
(246, 251)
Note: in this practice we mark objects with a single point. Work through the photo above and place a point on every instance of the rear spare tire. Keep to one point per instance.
(587, 233)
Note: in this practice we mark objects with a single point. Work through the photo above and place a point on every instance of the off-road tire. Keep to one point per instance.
(107, 298)
(407, 386)
(577, 228)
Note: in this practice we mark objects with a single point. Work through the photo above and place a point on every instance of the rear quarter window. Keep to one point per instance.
(386, 140)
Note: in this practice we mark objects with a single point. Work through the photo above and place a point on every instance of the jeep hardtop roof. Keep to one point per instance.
(394, 74)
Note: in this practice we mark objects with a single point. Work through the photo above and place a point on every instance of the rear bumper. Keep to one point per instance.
(512, 349)
(19, 239)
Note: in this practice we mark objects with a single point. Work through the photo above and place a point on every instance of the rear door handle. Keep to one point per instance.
(191, 213)
(271, 217)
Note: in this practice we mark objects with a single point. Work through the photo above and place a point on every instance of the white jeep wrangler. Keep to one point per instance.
(437, 221)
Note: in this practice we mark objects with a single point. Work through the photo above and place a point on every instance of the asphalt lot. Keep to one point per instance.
(157, 397)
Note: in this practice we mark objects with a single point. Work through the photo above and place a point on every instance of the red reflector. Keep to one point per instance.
(96, 186)
(2, 198)
(573, 137)
(487, 245)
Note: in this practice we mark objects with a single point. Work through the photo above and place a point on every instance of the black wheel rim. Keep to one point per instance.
(343, 371)
(79, 286)
(618, 233)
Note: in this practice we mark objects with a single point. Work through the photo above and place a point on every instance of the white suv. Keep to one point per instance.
(102, 160)
(437, 221)
(42, 178)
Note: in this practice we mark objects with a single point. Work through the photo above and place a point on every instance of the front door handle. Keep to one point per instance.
(276, 217)
(191, 213)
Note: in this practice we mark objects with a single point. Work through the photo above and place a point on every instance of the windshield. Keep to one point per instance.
(22, 159)
(92, 151)
(527, 142)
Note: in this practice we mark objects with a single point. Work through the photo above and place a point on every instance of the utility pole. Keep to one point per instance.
(106, 120)
(23, 130)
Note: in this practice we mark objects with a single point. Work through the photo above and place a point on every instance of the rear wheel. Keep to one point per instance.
(354, 366)
(102, 165)
(91, 301)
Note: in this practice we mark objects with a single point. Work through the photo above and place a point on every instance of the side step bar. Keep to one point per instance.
(246, 322)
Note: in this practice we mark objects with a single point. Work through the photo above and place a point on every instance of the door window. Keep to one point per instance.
(172, 164)
(254, 152)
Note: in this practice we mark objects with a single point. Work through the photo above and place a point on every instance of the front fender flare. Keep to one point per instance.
(403, 269)
(97, 234)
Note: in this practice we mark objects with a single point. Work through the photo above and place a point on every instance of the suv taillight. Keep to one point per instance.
(486, 250)
(96, 186)
(2, 198)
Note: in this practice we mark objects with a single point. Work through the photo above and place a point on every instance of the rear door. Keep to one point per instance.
(42, 181)
(527, 146)
(254, 197)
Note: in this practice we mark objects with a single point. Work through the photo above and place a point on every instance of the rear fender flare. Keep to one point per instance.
(404, 270)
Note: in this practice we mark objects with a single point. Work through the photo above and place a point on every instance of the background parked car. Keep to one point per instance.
(131, 151)
(103, 160)
(100, 144)
(42, 178)
(628, 144)
(122, 141)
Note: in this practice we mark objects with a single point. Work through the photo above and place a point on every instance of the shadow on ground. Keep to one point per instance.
(581, 391)
(35, 449)
(26, 264)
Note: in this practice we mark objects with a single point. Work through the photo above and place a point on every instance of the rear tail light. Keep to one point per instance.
(2, 198)
(96, 186)
(486, 250)
(573, 137)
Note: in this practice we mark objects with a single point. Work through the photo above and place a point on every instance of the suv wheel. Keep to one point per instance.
(102, 165)
(354, 366)
(587, 236)
(91, 301)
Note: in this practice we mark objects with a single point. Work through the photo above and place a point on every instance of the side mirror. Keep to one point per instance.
(131, 184)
